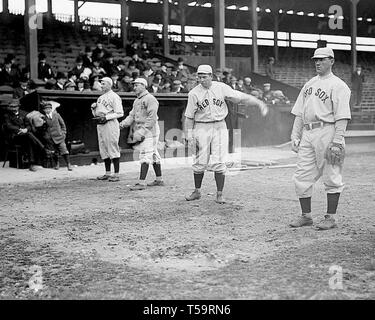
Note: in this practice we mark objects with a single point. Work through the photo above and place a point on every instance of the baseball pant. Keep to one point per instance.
(311, 164)
(211, 141)
(148, 148)
(108, 138)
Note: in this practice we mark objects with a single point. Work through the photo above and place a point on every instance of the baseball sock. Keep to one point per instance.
(305, 206)
(157, 169)
(116, 165)
(143, 174)
(198, 177)
(219, 178)
(332, 202)
(107, 164)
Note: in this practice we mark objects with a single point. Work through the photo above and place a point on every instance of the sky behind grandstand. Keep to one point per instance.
(67, 7)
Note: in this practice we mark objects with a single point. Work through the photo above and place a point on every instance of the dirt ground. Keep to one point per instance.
(78, 238)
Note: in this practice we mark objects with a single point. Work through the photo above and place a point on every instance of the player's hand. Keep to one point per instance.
(93, 105)
(263, 108)
(22, 131)
(122, 125)
(295, 145)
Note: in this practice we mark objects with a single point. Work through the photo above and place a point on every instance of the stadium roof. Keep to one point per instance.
(365, 8)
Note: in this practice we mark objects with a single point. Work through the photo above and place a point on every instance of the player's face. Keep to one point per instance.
(205, 79)
(106, 86)
(323, 65)
(139, 88)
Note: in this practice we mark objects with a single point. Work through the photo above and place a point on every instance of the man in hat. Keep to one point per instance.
(358, 79)
(107, 110)
(18, 130)
(322, 112)
(144, 119)
(44, 69)
(206, 130)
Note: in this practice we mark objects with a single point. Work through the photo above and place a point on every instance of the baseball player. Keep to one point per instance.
(321, 112)
(206, 130)
(144, 118)
(106, 111)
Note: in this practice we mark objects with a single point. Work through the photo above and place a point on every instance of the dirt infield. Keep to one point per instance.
(78, 238)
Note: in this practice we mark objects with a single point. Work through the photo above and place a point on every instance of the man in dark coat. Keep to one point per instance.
(357, 85)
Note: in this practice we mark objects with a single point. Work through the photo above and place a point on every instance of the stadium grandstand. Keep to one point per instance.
(171, 38)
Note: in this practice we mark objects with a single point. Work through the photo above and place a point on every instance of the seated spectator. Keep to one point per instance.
(166, 88)
(280, 98)
(183, 71)
(155, 88)
(191, 83)
(147, 74)
(120, 69)
(80, 85)
(248, 87)
(9, 76)
(174, 75)
(139, 63)
(78, 68)
(133, 49)
(109, 64)
(233, 83)
(95, 83)
(164, 72)
(145, 52)
(97, 69)
(126, 83)
(87, 58)
(270, 70)
(132, 68)
(217, 76)
(99, 52)
(240, 85)
(55, 135)
(17, 130)
(116, 86)
(60, 81)
(22, 89)
(177, 87)
(86, 86)
(267, 96)
(226, 77)
(135, 75)
(44, 69)
(71, 84)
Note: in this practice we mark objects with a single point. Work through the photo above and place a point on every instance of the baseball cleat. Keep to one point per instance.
(195, 195)
(114, 179)
(301, 221)
(220, 198)
(327, 223)
(138, 186)
(156, 183)
(104, 177)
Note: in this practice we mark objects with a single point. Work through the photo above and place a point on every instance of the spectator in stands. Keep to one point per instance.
(60, 81)
(166, 88)
(267, 96)
(139, 64)
(22, 89)
(116, 83)
(240, 85)
(358, 79)
(218, 75)
(279, 98)
(80, 85)
(147, 74)
(164, 72)
(145, 52)
(44, 69)
(233, 83)
(248, 87)
(191, 83)
(95, 83)
(87, 58)
(177, 87)
(126, 83)
(9, 76)
(174, 74)
(120, 69)
(226, 77)
(133, 49)
(109, 64)
(97, 69)
(55, 135)
(183, 71)
(132, 68)
(71, 84)
(12, 58)
(78, 68)
(270, 70)
(155, 88)
(99, 52)
(17, 130)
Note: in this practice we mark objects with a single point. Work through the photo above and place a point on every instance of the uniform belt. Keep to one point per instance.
(209, 121)
(314, 125)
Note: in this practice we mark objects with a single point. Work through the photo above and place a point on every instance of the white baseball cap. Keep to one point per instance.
(204, 68)
(142, 81)
(324, 52)
(107, 79)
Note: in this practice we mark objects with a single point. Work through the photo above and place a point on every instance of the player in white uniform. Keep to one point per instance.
(206, 130)
(108, 109)
(144, 117)
(321, 112)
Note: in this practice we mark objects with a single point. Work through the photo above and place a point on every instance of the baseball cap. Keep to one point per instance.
(204, 68)
(107, 79)
(141, 80)
(324, 52)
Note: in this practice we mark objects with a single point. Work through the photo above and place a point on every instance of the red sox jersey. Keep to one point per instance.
(208, 105)
(109, 103)
(323, 99)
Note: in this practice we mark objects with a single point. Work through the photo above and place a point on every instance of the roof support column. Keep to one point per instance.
(182, 20)
(31, 35)
(49, 9)
(165, 27)
(353, 33)
(219, 7)
(5, 6)
(76, 16)
(124, 23)
(275, 35)
(254, 29)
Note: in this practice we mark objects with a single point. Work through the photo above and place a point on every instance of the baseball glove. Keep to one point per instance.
(335, 153)
(100, 120)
